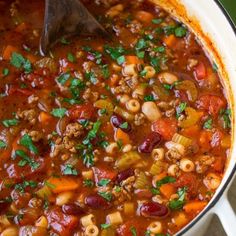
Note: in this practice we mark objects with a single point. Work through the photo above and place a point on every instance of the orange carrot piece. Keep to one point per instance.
(192, 131)
(170, 40)
(130, 59)
(144, 16)
(160, 176)
(122, 136)
(44, 117)
(205, 139)
(63, 184)
(21, 27)
(9, 49)
(167, 190)
(194, 206)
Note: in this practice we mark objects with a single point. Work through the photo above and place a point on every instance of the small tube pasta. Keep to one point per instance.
(127, 160)
(114, 218)
(141, 181)
(192, 117)
(91, 230)
(212, 181)
(173, 170)
(158, 154)
(155, 227)
(186, 165)
(87, 220)
(112, 148)
(133, 105)
(151, 111)
(180, 139)
(128, 208)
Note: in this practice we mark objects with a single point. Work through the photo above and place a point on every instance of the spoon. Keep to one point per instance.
(66, 18)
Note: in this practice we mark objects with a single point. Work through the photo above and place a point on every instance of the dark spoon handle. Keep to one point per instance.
(67, 17)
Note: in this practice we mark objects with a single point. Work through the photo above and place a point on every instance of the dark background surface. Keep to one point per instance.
(230, 6)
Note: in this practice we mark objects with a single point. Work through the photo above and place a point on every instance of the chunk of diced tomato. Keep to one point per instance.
(85, 111)
(102, 173)
(211, 103)
(61, 223)
(200, 71)
(167, 127)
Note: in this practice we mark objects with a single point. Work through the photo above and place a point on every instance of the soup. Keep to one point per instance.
(128, 137)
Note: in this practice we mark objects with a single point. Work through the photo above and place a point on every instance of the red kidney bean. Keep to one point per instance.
(118, 121)
(150, 142)
(153, 209)
(125, 174)
(96, 201)
(72, 209)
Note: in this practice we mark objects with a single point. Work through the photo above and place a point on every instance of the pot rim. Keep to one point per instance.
(233, 170)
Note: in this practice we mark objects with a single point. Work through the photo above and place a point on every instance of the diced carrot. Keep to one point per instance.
(130, 59)
(44, 117)
(160, 176)
(170, 40)
(63, 184)
(180, 219)
(192, 131)
(21, 27)
(9, 49)
(122, 136)
(194, 206)
(167, 190)
(144, 16)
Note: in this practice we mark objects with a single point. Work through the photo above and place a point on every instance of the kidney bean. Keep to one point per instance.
(96, 201)
(151, 140)
(153, 209)
(125, 174)
(72, 209)
(118, 121)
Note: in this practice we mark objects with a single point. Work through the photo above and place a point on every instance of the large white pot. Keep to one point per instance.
(210, 22)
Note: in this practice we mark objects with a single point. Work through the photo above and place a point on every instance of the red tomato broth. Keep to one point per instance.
(58, 139)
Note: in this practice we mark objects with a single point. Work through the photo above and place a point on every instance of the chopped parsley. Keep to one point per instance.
(64, 41)
(27, 142)
(226, 118)
(91, 76)
(106, 195)
(140, 54)
(88, 183)
(21, 186)
(133, 231)
(92, 133)
(26, 160)
(10, 122)
(157, 21)
(18, 61)
(71, 57)
(116, 53)
(149, 97)
(121, 60)
(178, 204)
(208, 124)
(70, 170)
(215, 67)
(124, 125)
(180, 32)
(104, 182)
(165, 180)
(5, 72)
(63, 78)
(2, 144)
(59, 112)
(105, 226)
(105, 71)
(180, 109)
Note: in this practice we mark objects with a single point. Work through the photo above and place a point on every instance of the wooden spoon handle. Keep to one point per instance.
(67, 17)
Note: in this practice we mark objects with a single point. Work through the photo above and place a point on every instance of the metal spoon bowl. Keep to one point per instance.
(66, 18)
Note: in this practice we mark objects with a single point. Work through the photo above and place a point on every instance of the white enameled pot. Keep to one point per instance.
(215, 30)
